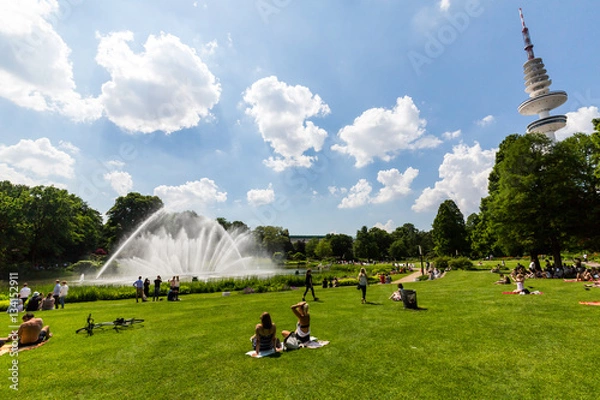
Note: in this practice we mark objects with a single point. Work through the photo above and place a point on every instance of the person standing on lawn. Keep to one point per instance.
(64, 290)
(157, 283)
(363, 282)
(308, 282)
(139, 290)
(56, 293)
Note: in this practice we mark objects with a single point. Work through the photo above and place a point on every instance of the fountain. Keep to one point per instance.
(184, 245)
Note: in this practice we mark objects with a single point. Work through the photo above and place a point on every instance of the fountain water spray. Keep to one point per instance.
(183, 244)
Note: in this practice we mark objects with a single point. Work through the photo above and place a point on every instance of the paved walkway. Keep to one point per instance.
(408, 278)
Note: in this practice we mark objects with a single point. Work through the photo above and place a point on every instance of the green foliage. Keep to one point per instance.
(449, 231)
(273, 239)
(540, 191)
(460, 263)
(44, 225)
(127, 213)
(441, 262)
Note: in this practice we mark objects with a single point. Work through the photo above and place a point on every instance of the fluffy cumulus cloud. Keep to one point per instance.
(452, 135)
(579, 121)
(281, 113)
(35, 161)
(196, 195)
(464, 179)
(35, 70)
(444, 5)
(261, 197)
(120, 181)
(388, 226)
(383, 133)
(359, 195)
(395, 185)
(485, 121)
(165, 88)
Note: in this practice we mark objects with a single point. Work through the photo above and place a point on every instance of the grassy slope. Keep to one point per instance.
(471, 342)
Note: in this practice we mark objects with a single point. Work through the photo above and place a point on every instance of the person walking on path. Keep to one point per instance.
(157, 283)
(308, 282)
(56, 293)
(363, 282)
(139, 290)
(62, 294)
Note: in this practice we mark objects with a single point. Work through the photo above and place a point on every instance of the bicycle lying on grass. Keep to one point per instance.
(117, 324)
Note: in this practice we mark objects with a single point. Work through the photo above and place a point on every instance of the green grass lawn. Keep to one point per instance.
(469, 342)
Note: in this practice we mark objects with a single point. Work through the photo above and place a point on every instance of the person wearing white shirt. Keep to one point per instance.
(64, 290)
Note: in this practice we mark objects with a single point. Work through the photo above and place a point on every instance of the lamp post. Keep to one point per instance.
(421, 256)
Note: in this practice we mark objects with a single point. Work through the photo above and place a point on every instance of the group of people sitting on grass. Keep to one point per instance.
(265, 338)
(332, 282)
(576, 271)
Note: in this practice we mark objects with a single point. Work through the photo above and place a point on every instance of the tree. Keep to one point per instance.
(543, 189)
(449, 231)
(341, 245)
(364, 245)
(127, 213)
(311, 247)
(45, 225)
(273, 239)
(406, 240)
(323, 249)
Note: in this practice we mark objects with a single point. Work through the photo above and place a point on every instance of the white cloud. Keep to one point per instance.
(395, 184)
(485, 121)
(68, 146)
(382, 133)
(197, 195)
(444, 5)
(38, 157)
(281, 112)
(578, 121)
(120, 181)
(334, 190)
(165, 88)
(388, 226)
(451, 135)
(210, 48)
(260, 197)
(35, 71)
(464, 179)
(359, 195)
(116, 164)
(8, 173)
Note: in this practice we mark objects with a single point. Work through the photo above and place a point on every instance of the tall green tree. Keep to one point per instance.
(273, 239)
(126, 214)
(449, 231)
(545, 193)
(323, 249)
(341, 245)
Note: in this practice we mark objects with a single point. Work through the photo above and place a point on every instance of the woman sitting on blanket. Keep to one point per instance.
(520, 281)
(265, 338)
(301, 335)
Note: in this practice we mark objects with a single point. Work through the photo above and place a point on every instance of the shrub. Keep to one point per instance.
(441, 263)
(460, 263)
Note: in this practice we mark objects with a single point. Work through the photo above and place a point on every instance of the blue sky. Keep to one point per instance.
(316, 116)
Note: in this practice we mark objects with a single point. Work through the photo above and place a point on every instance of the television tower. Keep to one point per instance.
(541, 99)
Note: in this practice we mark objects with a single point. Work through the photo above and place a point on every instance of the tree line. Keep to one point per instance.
(544, 198)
